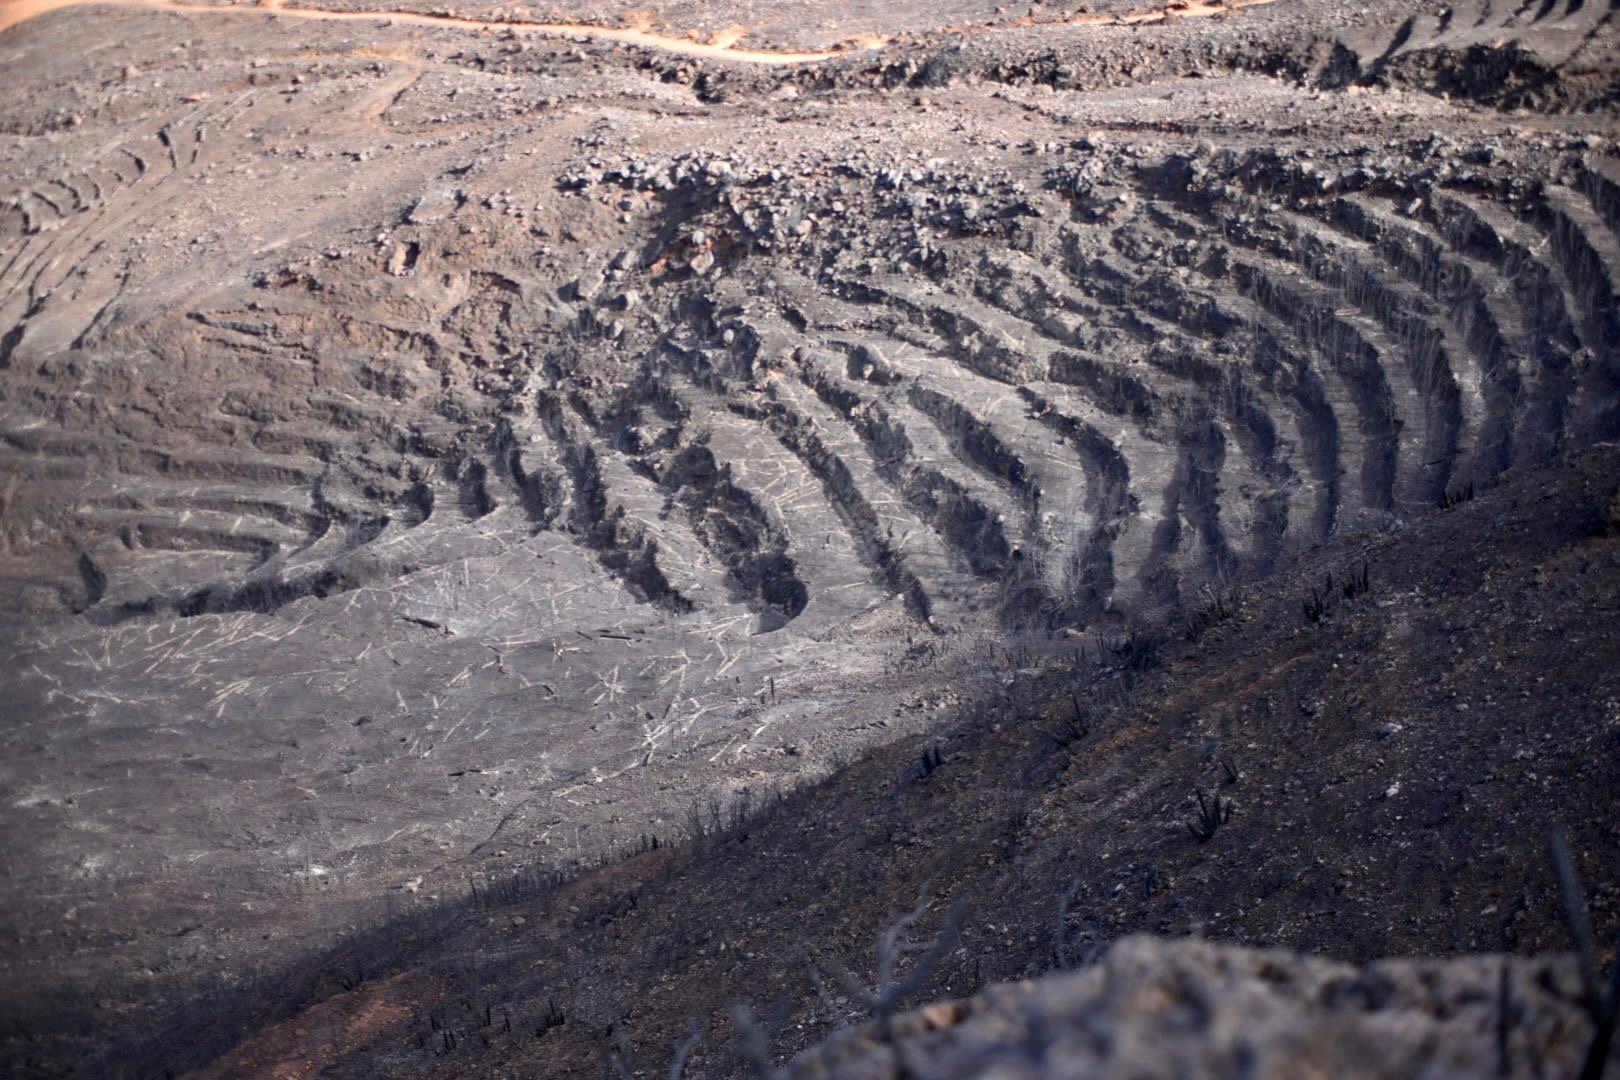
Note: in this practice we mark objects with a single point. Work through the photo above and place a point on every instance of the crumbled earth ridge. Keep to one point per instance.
(1152, 1007)
(439, 450)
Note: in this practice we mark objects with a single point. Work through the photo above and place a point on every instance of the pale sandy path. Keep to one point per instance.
(723, 47)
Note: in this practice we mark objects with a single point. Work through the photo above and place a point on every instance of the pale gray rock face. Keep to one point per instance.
(1152, 1007)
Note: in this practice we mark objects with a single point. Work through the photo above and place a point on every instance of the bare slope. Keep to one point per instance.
(1392, 768)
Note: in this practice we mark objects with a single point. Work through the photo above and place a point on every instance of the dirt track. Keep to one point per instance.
(722, 46)
(437, 443)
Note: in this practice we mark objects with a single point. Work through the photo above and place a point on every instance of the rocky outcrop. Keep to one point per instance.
(1152, 1007)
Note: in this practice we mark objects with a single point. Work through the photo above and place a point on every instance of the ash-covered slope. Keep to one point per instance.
(429, 449)
(1356, 774)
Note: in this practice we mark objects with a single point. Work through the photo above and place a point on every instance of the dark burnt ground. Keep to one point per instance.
(1399, 763)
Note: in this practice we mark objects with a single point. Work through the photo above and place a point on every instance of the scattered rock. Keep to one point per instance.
(1194, 1009)
(1610, 513)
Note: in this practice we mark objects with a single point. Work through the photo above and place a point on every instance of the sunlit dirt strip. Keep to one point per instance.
(723, 47)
